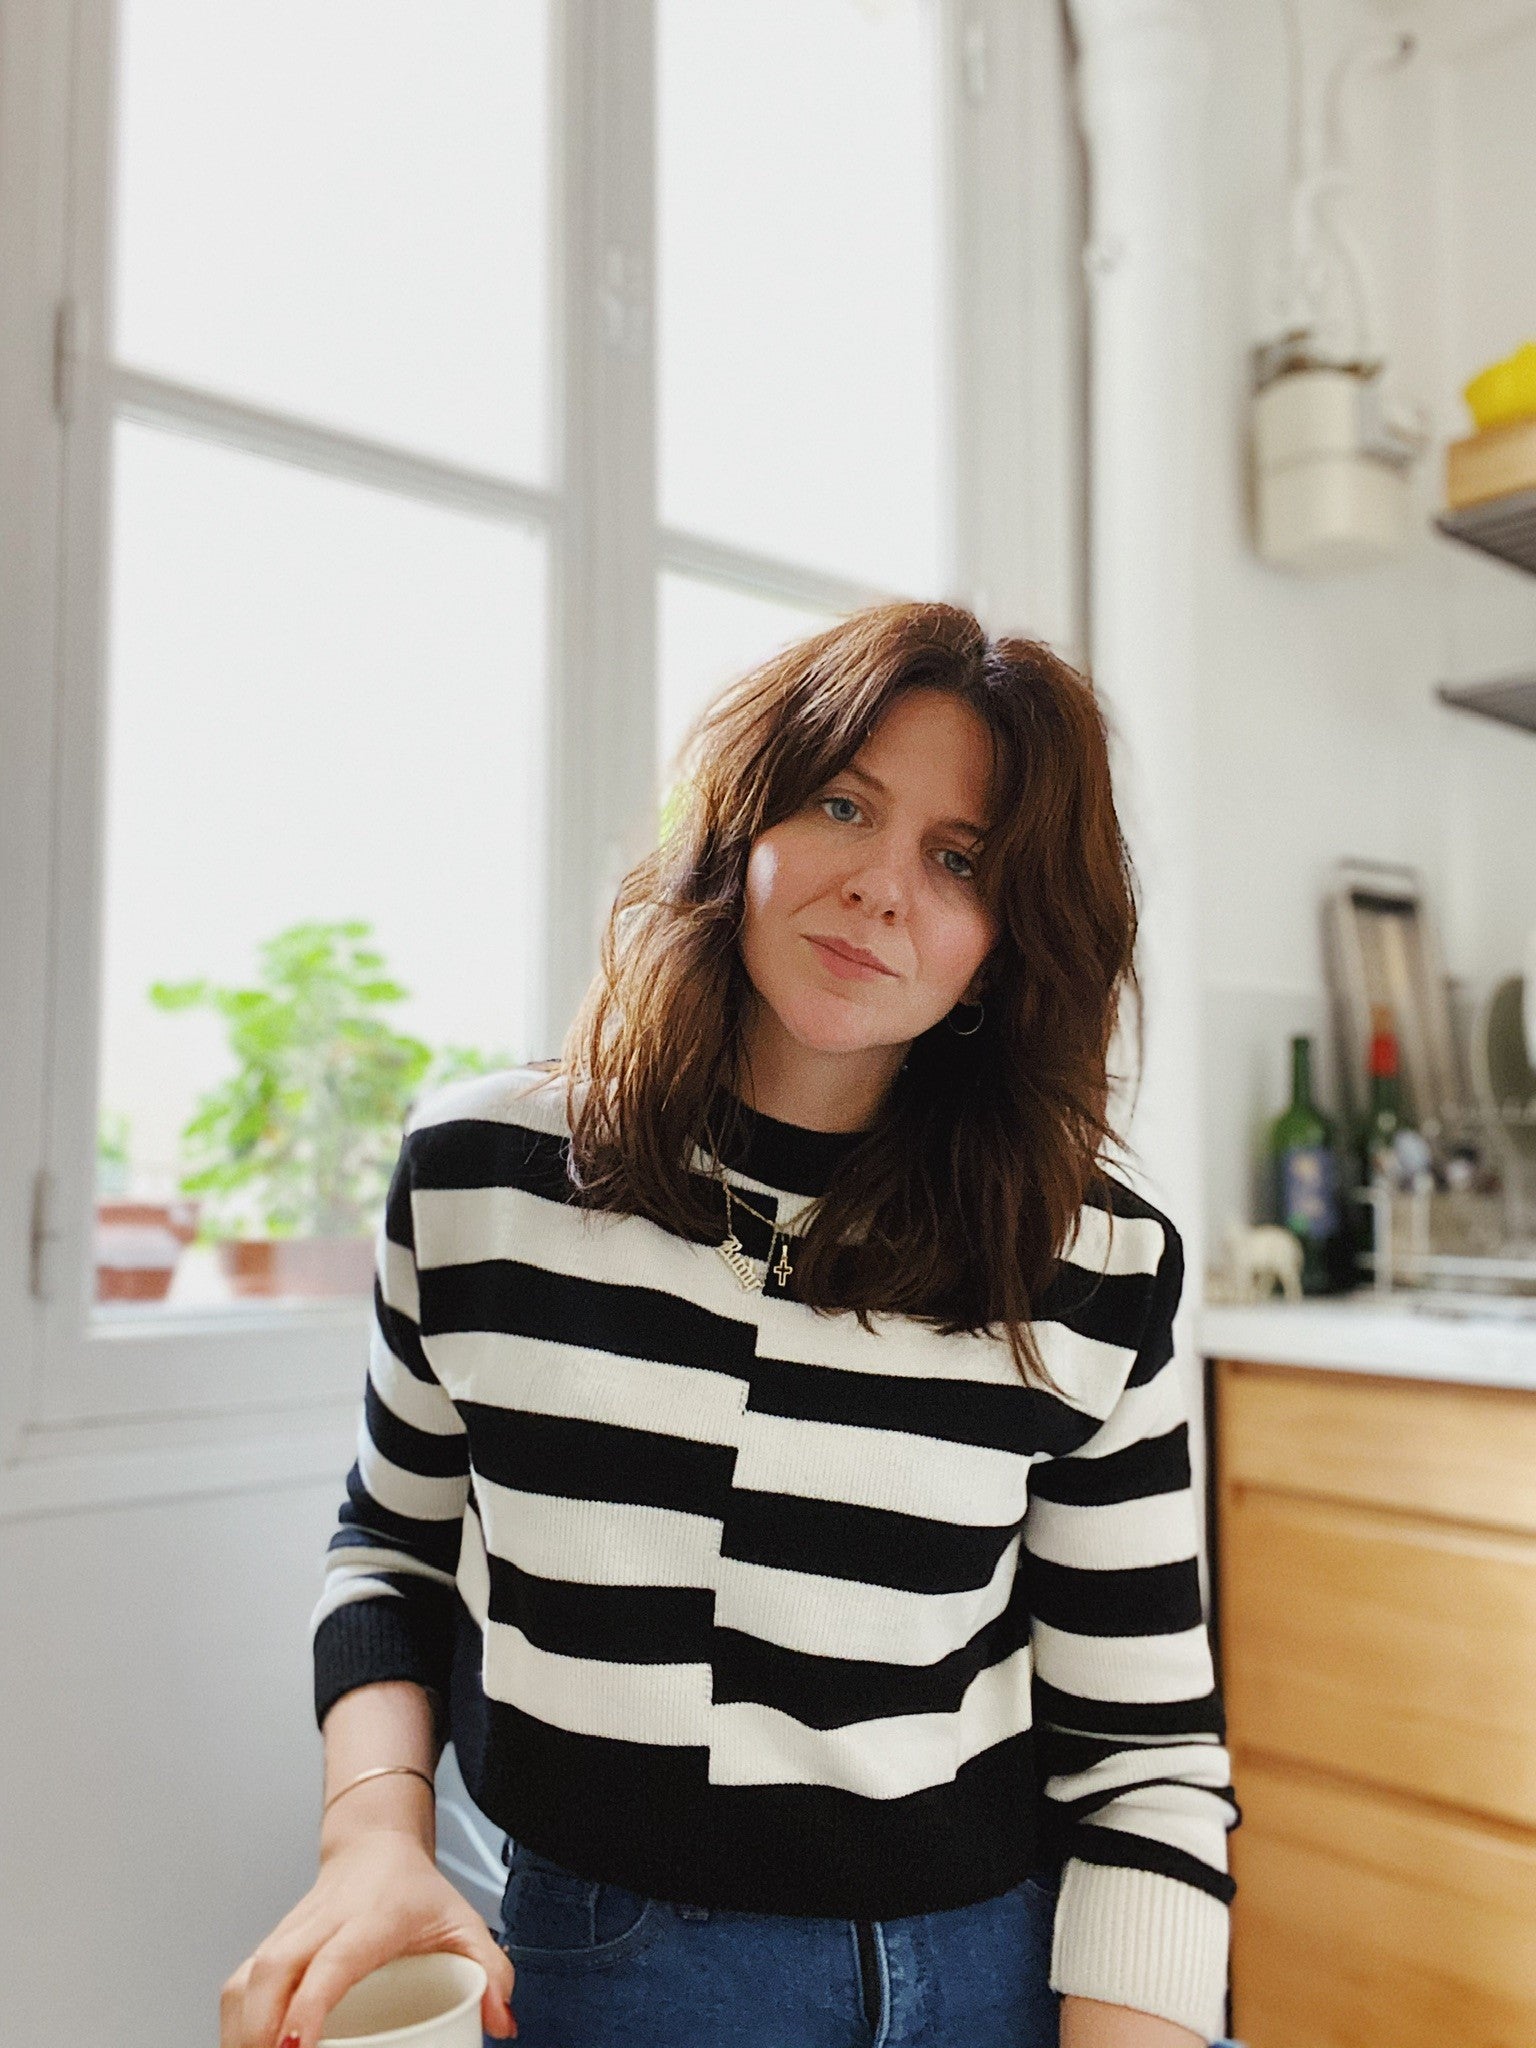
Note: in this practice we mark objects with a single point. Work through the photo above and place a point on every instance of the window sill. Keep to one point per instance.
(241, 1369)
(72, 1468)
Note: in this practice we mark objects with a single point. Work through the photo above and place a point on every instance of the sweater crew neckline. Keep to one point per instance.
(792, 1157)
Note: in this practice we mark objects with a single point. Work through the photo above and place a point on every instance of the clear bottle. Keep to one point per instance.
(1375, 1157)
(1305, 1172)
(1389, 1154)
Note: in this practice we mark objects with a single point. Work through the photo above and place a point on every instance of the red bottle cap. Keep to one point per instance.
(1383, 1043)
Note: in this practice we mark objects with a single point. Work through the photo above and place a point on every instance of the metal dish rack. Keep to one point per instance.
(1474, 1240)
(1478, 1239)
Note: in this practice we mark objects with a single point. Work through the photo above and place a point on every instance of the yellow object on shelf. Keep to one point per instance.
(1492, 463)
(1505, 390)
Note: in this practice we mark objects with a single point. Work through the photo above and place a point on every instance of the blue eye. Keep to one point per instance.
(968, 874)
(840, 800)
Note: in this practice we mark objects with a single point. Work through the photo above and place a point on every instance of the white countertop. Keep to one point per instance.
(1483, 1343)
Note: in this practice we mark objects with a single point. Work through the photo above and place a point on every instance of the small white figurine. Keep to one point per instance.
(1260, 1256)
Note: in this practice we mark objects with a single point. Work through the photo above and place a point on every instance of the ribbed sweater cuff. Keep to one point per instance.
(1133, 1937)
(368, 1640)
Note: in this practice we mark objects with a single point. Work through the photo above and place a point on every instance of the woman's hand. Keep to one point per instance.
(1090, 2023)
(378, 1895)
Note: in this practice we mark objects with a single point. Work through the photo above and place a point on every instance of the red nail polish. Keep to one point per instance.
(289, 2041)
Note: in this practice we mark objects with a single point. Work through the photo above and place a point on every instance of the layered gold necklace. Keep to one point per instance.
(733, 1252)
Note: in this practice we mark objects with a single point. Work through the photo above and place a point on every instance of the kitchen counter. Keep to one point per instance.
(1489, 1342)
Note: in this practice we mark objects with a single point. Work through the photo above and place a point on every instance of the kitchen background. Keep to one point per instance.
(1318, 731)
(312, 714)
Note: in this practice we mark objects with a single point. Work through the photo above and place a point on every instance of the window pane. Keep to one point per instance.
(798, 294)
(326, 703)
(342, 211)
(708, 636)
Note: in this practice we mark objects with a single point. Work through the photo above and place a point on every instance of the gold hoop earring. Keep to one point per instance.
(980, 1010)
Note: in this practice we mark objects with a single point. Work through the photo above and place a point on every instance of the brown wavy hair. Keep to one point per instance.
(958, 1202)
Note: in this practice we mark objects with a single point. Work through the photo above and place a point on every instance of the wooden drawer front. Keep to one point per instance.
(1468, 1453)
(1361, 1921)
(1398, 1651)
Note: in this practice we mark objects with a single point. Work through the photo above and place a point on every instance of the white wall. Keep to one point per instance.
(1319, 732)
(161, 1769)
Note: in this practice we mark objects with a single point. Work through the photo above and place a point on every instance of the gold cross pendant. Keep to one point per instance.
(783, 1269)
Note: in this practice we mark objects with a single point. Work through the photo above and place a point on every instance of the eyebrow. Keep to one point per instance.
(873, 782)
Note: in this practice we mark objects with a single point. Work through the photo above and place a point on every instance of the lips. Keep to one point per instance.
(858, 956)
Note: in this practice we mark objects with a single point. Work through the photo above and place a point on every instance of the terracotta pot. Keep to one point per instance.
(311, 1266)
(138, 1245)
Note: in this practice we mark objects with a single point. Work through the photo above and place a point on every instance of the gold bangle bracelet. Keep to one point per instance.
(378, 1771)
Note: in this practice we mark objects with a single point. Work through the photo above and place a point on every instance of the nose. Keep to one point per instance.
(878, 887)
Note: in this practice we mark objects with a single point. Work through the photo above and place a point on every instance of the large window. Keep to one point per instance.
(800, 318)
(339, 210)
(326, 667)
(450, 402)
(800, 334)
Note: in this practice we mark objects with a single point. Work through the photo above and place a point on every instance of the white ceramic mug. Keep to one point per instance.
(416, 2002)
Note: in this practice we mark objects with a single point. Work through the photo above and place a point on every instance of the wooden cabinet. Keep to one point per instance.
(1375, 1619)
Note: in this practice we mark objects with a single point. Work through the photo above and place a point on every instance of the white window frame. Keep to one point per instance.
(261, 1396)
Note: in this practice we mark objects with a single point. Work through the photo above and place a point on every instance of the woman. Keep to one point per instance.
(774, 1476)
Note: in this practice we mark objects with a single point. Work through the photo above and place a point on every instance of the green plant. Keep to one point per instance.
(112, 1157)
(300, 1140)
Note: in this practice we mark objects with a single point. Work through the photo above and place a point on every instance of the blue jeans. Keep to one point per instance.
(598, 1966)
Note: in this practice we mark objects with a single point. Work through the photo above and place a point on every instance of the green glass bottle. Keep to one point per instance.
(1305, 1172)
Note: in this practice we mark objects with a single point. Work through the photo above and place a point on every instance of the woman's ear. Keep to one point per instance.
(981, 980)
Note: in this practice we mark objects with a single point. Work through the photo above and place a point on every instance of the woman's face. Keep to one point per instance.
(882, 858)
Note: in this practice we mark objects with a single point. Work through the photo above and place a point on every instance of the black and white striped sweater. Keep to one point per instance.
(738, 1604)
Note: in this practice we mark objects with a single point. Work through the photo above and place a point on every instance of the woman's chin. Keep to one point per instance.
(836, 1027)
